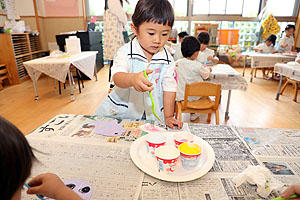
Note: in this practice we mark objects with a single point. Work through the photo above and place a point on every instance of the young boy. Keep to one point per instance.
(152, 23)
(189, 69)
(206, 55)
(178, 53)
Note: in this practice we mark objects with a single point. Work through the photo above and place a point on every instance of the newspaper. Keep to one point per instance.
(77, 126)
(272, 142)
(106, 166)
(232, 155)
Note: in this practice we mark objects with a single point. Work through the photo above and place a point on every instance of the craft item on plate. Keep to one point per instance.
(182, 137)
(189, 155)
(167, 157)
(151, 128)
(153, 141)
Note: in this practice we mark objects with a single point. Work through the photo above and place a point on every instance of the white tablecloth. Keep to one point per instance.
(228, 77)
(266, 60)
(291, 70)
(57, 67)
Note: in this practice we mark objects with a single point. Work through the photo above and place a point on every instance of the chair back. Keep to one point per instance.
(202, 89)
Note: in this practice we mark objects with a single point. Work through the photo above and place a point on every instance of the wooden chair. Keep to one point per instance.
(4, 74)
(295, 86)
(204, 104)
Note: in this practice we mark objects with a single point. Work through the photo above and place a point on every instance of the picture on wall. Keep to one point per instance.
(2, 7)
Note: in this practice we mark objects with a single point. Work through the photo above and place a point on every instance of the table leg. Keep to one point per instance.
(34, 86)
(71, 88)
(244, 65)
(227, 107)
(252, 69)
(279, 87)
(96, 72)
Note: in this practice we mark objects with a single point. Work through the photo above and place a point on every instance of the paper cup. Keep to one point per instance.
(167, 157)
(182, 137)
(153, 141)
(189, 155)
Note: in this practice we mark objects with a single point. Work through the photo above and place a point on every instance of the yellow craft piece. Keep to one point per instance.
(186, 149)
(270, 26)
(66, 56)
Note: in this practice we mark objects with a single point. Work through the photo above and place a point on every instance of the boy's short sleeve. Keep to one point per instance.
(169, 84)
(121, 63)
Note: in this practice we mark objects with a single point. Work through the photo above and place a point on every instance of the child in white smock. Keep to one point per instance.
(267, 46)
(152, 23)
(189, 69)
(206, 55)
(287, 42)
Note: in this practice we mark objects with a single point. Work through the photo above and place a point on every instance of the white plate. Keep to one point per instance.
(148, 164)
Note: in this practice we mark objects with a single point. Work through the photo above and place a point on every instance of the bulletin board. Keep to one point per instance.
(60, 8)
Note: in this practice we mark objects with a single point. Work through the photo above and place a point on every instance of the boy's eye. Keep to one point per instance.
(151, 33)
(164, 34)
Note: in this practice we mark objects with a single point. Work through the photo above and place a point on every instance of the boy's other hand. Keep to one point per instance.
(210, 58)
(141, 83)
(293, 189)
(171, 122)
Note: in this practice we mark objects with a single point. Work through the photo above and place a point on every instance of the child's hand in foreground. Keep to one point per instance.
(140, 82)
(171, 122)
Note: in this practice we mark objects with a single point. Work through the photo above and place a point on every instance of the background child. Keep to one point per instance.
(15, 166)
(189, 69)
(178, 53)
(287, 42)
(267, 46)
(205, 54)
(152, 23)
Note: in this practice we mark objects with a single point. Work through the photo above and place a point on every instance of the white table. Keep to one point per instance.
(291, 70)
(230, 79)
(265, 60)
(59, 67)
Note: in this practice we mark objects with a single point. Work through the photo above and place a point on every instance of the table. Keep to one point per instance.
(291, 70)
(265, 60)
(72, 150)
(58, 67)
(230, 79)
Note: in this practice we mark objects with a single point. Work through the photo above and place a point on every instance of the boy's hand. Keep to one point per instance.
(171, 122)
(293, 189)
(51, 186)
(210, 58)
(140, 83)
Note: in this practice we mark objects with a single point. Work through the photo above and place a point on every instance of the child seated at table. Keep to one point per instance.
(189, 69)
(152, 23)
(16, 160)
(267, 46)
(287, 42)
(178, 53)
(206, 55)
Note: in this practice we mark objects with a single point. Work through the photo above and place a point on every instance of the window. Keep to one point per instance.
(228, 7)
(286, 7)
(95, 8)
(180, 7)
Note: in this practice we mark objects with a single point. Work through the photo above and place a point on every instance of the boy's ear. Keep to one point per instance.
(134, 28)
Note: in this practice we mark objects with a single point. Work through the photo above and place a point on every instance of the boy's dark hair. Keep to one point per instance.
(272, 38)
(189, 46)
(16, 158)
(289, 26)
(182, 34)
(157, 11)
(203, 37)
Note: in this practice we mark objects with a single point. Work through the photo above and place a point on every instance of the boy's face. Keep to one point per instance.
(152, 37)
(203, 47)
(289, 32)
(268, 43)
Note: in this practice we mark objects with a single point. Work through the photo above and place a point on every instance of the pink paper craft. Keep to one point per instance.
(108, 128)
(151, 128)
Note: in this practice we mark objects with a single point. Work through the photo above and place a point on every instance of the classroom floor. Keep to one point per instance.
(256, 107)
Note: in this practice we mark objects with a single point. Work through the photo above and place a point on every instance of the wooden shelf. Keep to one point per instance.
(18, 48)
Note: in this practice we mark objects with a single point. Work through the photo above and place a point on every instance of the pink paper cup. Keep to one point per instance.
(182, 137)
(153, 141)
(189, 161)
(167, 157)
